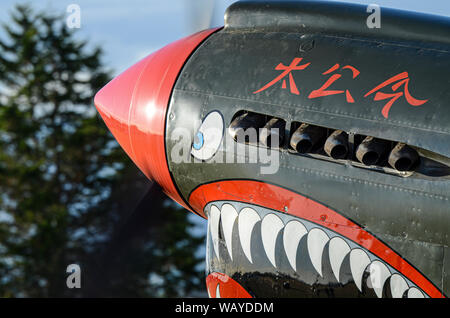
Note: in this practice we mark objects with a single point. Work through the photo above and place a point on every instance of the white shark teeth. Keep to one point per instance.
(209, 293)
(229, 215)
(337, 250)
(218, 291)
(247, 220)
(358, 263)
(379, 273)
(317, 239)
(271, 226)
(398, 286)
(413, 292)
(214, 219)
(294, 231)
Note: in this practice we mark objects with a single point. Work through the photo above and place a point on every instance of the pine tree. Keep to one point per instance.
(62, 173)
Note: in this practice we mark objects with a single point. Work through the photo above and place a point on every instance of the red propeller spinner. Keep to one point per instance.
(134, 106)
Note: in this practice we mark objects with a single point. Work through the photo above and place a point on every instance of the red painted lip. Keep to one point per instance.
(286, 201)
(221, 286)
(134, 106)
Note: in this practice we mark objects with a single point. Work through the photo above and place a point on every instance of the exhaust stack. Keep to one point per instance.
(245, 121)
(336, 145)
(403, 157)
(274, 129)
(371, 150)
(306, 137)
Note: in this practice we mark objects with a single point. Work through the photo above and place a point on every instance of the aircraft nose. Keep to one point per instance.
(134, 107)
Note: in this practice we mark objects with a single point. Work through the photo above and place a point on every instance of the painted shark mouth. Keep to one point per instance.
(309, 251)
(262, 240)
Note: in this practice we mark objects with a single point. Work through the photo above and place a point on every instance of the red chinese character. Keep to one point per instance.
(401, 79)
(286, 71)
(323, 92)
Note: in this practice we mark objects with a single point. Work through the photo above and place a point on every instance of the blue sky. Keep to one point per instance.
(129, 30)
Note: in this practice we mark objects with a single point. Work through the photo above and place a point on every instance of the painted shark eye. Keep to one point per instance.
(208, 137)
(198, 141)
